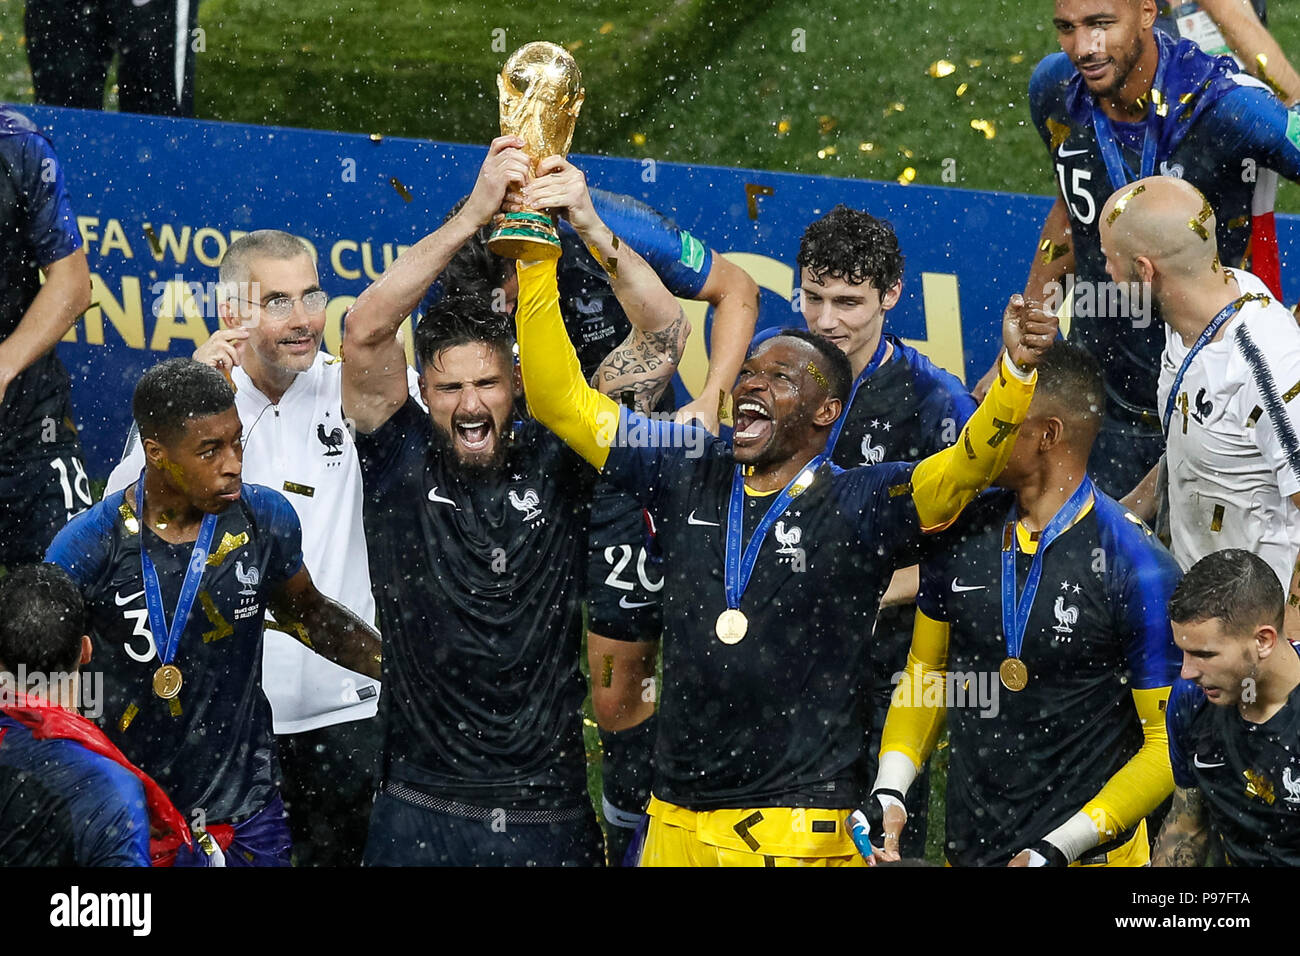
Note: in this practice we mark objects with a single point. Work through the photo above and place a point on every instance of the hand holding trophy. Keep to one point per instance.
(541, 93)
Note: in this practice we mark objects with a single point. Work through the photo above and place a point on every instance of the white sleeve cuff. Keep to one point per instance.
(1014, 370)
(896, 772)
(1075, 837)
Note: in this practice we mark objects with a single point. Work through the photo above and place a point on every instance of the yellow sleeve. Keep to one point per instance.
(557, 394)
(947, 481)
(916, 712)
(1137, 787)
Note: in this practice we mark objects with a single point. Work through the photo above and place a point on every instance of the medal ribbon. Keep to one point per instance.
(866, 373)
(739, 567)
(1015, 615)
(189, 587)
(1211, 330)
(1119, 171)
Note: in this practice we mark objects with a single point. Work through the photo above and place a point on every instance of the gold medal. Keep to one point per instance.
(731, 626)
(1014, 674)
(167, 681)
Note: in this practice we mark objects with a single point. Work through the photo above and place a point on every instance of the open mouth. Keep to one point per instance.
(753, 422)
(299, 343)
(474, 435)
(232, 493)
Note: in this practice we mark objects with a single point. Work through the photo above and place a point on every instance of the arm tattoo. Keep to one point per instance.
(1185, 837)
(644, 363)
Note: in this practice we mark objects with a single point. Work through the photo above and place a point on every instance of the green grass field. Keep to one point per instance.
(838, 87)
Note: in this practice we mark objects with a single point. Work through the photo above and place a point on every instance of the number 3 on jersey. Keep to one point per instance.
(1076, 193)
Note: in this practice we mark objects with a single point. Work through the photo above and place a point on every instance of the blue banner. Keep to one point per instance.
(158, 201)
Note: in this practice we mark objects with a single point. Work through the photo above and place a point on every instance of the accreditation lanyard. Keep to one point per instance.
(739, 567)
(866, 373)
(189, 587)
(1211, 330)
(1119, 171)
(1015, 615)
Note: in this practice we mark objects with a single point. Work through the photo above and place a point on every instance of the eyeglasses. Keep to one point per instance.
(281, 307)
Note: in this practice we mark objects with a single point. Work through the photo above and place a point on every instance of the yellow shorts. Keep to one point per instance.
(767, 836)
(1136, 852)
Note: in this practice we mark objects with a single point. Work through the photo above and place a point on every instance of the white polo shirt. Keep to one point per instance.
(1233, 448)
(302, 448)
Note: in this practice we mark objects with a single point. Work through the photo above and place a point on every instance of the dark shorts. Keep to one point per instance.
(403, 833)
(37, 498)
(328, 785)
(624, 577)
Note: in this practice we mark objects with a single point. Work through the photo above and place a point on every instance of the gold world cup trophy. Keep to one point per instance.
(541, 93)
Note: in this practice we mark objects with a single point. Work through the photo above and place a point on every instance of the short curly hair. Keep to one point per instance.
(852, 245)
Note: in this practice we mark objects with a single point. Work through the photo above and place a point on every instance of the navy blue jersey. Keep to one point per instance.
(37, 227)
(1097, 631)
(478, 581)
(1248, 774)
(907, 410)
(62, 805)
(218, 754)
(776, 719)
(1217, 140)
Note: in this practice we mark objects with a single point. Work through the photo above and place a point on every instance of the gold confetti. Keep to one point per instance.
(782, 127)
(376, 138)
(1059, 133)
(906, 176)
(826, 123)
(153, 242)
(575, 45)
(961, 90)
(1238, 223)
(821, 154)
(638, 139)
(866, 147)
(941, 68)
(305, 48)
(897, 107)
(984, 126)
(752, 192)
(401, 189)
(606, 27)
(906, 153)
(1017, 58)
(974, 63)
(1122, 203)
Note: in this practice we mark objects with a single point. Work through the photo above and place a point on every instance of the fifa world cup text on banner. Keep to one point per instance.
(153, 247)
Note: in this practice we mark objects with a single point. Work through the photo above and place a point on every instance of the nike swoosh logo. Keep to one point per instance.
(1207, 766)
(958, 588)
(123, 601)
(434, 496)
(694, 520)
(623, 602)
(1062, 153)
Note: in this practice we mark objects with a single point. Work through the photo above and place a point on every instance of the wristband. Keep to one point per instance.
(1050, 853)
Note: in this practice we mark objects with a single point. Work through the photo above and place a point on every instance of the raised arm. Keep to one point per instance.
(326, 626)
(944, 483)
(734, 298)
(1052, 261)
(557, 395)
(63, 297)
(1248, 39)
(374, 363)
(644, 363)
